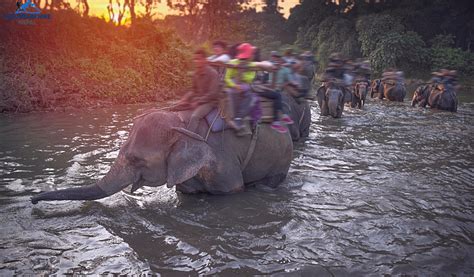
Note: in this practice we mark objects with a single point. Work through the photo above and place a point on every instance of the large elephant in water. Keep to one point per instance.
(436, 96)
(394, 91)
(161, 151)
(331, 99)
(300, 111)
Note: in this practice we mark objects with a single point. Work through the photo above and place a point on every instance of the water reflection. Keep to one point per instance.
(385, 190)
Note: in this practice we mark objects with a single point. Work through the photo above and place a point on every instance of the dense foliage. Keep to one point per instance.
(44, 66)
(85, 60)
(415, 36)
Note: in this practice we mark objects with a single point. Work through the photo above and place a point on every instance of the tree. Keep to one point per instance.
(405, 51)
(271, 6)
(334, 34)
(309, 13)
(212, 15)
(372, 28)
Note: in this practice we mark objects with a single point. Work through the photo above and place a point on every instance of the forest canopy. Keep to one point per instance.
(131, 55)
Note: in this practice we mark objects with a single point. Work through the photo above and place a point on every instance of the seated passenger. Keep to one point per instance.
(289, 57)
(220, 57)
(237, 80)
(205, 93)
(301, 83)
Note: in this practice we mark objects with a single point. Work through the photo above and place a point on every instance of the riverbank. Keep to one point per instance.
(43, 67)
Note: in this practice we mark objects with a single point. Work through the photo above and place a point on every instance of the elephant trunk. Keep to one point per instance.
(119, 177)
(91, 192)
(334, 108)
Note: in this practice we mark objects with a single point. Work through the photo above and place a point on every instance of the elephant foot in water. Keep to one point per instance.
(270, 181)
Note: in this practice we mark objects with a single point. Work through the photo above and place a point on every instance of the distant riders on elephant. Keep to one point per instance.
(335, 90)
(439, 93)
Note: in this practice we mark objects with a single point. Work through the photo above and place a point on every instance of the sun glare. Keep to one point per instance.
(99, 8)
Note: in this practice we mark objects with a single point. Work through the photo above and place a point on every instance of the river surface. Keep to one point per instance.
(385, 190)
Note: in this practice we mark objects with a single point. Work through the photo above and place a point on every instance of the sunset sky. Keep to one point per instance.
(99, 7)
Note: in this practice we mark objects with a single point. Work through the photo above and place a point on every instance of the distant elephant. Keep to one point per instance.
(300, 111)
(359, 94)
(376, 89)
(161, 151)
(436, 96)
(331, 99)
(394, 91)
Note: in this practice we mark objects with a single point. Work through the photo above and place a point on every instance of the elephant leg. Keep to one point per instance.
(191, 186)
(226, 179)
(275, 180)
(271, 181)
(325, 108)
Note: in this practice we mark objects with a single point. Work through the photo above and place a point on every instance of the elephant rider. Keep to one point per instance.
(301, 84)
(449, 78)
(391, 75)
(237, 82)
(362, 71)
(446, 80)
(334, 72)
(309, 65)
(289, 56)
(205, 93)
(274, 93)
(220, 57)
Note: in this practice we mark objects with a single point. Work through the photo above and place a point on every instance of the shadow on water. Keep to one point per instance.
(384, 190)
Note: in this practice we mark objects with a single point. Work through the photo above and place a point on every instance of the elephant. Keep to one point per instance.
(300, 111)
(160, 150)
(436, 96)
(376, 89)
(394, 91)
(331, 99)
(359, 94)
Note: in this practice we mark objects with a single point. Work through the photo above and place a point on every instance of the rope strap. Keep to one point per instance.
(251, 149)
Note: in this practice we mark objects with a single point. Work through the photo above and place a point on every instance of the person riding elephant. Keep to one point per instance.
(393, 85)
(362, 83)
(205, 94)
(440, 93)
(334, 93)
(160, 150)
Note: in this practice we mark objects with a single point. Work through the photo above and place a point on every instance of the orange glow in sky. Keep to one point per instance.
(99, 7)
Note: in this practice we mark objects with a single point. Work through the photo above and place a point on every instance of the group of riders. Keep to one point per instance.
(346, 74)
(238, 76)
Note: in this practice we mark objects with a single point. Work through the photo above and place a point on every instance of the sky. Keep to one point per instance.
(99, 7)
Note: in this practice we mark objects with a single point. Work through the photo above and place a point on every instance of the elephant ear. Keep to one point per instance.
(188, 156)
(320, 94)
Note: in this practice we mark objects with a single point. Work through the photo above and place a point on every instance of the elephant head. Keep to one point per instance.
(332, 99)
(158, 151)
(361, 90)
(376, 87)
(421, 95)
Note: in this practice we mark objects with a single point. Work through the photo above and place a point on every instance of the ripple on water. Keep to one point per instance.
(385, 190)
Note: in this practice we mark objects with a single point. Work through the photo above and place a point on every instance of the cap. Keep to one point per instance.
(245, 51)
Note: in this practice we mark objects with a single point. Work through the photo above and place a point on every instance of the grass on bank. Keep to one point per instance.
(71, 60)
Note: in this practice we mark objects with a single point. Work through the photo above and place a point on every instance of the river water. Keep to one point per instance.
(385, 190)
